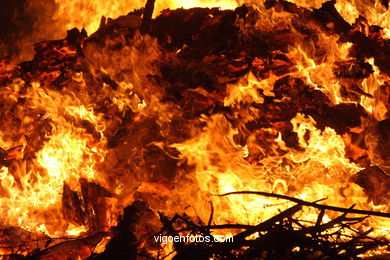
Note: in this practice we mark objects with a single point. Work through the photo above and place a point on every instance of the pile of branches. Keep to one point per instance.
(284, 236)
(280, 237)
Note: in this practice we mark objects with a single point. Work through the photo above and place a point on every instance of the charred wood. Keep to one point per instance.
(147, 16)
(282, 236)
(375, 183)
(94, 198)
(364, 46)
(135, 227)
(72, 206)
(73, 249)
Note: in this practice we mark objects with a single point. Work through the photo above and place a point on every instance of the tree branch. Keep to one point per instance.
(311, 204)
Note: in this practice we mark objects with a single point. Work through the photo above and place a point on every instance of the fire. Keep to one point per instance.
(374, 12)
(67, 155)
(93, 124)
(320, 171)
(87, 14)
(372, 85)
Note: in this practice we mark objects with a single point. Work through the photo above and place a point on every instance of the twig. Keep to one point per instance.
(266, 224)
(211, 214)
(311, 204)
(215, 227)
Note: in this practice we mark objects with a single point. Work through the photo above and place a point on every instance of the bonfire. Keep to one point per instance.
(245, 129)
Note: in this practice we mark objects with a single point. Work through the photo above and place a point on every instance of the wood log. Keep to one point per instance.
(352, 69)
(375, 183)
(147, 16)
(135, 227)
(72, 206)
(95, 205)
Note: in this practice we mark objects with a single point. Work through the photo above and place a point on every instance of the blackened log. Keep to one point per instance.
(72, 206)
(375, 183)
(94, 197)
(383, 133)
(352, 69)
(379, 137)
(147, 16)
(3, 155)
(342, 117)
(135, 223)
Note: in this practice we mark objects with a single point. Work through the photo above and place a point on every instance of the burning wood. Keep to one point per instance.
(162, 113)
(282, 236)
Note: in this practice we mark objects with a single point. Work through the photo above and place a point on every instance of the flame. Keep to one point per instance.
(87, 14)
(372, 85)
(220, 167)
(375, 13)
(67, 155)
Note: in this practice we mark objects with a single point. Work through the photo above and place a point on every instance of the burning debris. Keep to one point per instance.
(282, 236)
(276, 106)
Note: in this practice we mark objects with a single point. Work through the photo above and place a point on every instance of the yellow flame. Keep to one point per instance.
(87, 14)
(320, 171)
(34, 191)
